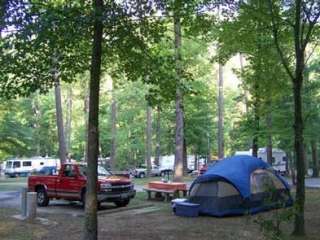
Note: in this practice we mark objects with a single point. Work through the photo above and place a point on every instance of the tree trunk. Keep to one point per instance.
(91, 220)
(185, 158)
(179, 136)
(255, 147)
(158, 137)
(245, 92)
(59, 118)
(113, 132)
(269, 146)
(306, 159)
(220, 114)
(69, 119)
(256, 113)
(299, 228)
(36, 125)
(315, 163)
(149, 140)
(86, 115)
(195, 161)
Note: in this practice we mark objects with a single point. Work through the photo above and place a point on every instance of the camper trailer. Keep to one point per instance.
(25, 166)
(279, 158)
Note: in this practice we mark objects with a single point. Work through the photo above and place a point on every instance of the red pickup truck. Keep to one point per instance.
(70, 184)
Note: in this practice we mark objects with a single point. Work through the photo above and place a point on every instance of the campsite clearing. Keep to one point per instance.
(155, 223)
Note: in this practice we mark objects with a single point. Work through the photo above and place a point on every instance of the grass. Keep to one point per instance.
(160, 224)
(11, 229)
(12, 184)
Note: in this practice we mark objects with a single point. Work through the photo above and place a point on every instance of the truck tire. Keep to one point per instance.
(142, 175)
(42, 197)
(122, 203)
(83, 198)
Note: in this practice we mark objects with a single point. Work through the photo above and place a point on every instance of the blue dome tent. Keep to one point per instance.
(237, 185)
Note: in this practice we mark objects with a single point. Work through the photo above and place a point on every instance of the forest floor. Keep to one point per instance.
(143, 220)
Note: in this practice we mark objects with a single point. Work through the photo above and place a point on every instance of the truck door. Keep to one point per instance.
(68, 184)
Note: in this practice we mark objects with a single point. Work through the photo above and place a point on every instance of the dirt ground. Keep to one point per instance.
(154, 221)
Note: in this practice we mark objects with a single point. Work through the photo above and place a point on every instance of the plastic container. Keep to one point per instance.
(186, 209)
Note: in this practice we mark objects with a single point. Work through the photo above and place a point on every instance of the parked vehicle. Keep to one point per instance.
(141, 172)
(279, 158)
(205, 167)
(70, 184)
(26, 166)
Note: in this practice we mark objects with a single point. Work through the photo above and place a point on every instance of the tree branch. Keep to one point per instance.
(276, 41)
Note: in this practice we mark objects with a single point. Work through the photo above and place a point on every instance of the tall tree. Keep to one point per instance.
(68, 124)
(113, 128)
(149, 139)
(91, 220)
(220, 113)
(303, 16)
(59, 118)
(158, 136)
(178, 165)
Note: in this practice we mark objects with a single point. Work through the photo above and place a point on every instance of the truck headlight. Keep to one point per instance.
(105, 185)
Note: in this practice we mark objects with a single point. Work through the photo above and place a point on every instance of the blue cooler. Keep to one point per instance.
(187, 209)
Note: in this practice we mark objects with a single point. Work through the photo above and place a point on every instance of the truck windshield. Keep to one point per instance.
(9, 164)
(102, 172)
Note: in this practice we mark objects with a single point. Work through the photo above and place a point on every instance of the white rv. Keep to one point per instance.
(25, 166)
(279, 158)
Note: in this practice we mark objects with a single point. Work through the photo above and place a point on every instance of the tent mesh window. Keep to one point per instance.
(208, 189)
(264, 181)
(267, 189)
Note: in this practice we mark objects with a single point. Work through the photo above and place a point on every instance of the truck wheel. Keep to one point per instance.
(42, 197)
(83, 198)
(122, 203)
(142, 175)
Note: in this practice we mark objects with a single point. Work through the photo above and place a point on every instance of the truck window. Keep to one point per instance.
(16, 164)
(69, 171)
(26, 164)
(101, 171)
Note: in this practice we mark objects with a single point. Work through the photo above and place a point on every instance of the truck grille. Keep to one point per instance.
(121, 188)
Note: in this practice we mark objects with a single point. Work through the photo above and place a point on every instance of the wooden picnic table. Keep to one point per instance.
(167, 189)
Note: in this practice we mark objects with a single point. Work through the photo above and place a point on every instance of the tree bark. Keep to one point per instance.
(299, 228)
(195, 161)
(91, 220)
(255, 139)
(59, 118)
(36, 125)
(86, 115)
(113, 132)
(269, 145)
(69, 119)
(185, 158)
(306, 159)
(220, 114)
(315, 163)
(158, 137)
(245, 92)
(149, 140)
(179, 136)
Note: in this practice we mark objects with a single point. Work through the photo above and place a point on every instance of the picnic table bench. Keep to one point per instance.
(168, 190)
